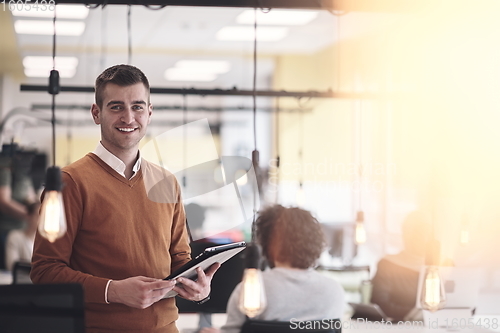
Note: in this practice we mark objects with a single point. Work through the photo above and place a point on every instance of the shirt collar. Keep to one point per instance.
(114, 162)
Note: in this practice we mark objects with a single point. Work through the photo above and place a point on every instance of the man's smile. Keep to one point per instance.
(126, 129)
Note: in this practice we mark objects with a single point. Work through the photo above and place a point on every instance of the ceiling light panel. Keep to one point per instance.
(264, 34)
(78, 12)
(44, 72)
(277, 17)
(40, 66)
(180, 74)
(36, 27)
(207, 66)
(197, 70)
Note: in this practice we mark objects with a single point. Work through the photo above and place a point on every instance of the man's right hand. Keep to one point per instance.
(138, 291)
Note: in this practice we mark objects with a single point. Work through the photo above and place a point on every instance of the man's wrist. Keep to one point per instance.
(106, 299)
(206, 299)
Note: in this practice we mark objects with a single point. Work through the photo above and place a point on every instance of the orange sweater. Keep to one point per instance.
(114, 232)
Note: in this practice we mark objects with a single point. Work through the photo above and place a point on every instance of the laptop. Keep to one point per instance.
(369, 312)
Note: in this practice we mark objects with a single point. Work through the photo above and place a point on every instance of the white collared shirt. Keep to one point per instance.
(114, 162)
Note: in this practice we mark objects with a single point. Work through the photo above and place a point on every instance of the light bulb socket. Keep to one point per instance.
(252, 256)
(360, 216)
(433, 253)
(255, 159)
(54, 87)
(53, 179)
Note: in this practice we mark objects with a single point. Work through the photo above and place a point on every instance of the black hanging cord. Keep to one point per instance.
(53, 120)
(255, 152)
(255, 80)
(184, 141)
(53, 176)
(54, 89)
(129, 30)
(277, 131)
(301, 146)
(54, 41)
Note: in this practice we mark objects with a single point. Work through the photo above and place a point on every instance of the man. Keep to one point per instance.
(120, 244)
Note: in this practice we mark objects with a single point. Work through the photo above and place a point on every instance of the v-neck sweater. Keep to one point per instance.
(117, 228)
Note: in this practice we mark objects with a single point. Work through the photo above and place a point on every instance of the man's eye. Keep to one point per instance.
(137, 107)
(116, 107)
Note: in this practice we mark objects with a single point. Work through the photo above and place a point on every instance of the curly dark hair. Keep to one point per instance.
(289, 235)
(122, 75)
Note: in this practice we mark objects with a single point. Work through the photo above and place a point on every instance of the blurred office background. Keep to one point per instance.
(413, 124)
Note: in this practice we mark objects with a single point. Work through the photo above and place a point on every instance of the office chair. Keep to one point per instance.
(21, 273)
(311, 326)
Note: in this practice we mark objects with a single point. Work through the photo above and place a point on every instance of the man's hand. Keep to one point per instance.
(138, 291)
(199, 289)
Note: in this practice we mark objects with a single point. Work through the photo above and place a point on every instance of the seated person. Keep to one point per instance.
(291, 241)
(396, 282)
(19, 245)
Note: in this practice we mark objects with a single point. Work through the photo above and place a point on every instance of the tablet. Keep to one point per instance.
(210, 255)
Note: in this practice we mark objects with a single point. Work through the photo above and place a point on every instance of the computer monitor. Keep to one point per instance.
(339, 238)
(43, 308)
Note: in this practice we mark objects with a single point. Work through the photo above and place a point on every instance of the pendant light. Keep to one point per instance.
(360, 228)
(360, 232)
(52, 224)
(252, 300)
(184, 140)
(432, 297)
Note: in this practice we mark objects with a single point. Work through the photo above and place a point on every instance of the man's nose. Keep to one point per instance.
(127, 116)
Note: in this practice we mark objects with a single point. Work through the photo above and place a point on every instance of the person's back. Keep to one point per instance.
(292, 294)
(395, 283)
(292, 241)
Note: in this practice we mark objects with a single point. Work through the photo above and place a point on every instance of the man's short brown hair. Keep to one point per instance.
(122, 75)
(290, 235)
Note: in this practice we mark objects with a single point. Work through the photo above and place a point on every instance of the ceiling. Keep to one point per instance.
(160, 38)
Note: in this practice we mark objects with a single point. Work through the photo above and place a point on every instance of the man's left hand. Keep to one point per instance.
(199, 289)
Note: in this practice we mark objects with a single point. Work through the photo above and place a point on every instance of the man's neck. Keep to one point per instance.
(128, 157)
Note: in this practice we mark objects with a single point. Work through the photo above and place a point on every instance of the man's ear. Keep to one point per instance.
(150, 110)
(96, 112)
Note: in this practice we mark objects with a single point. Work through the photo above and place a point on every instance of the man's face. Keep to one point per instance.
(124, 117)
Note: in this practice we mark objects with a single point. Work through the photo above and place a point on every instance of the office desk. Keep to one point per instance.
(480, 326)
(187, 323)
